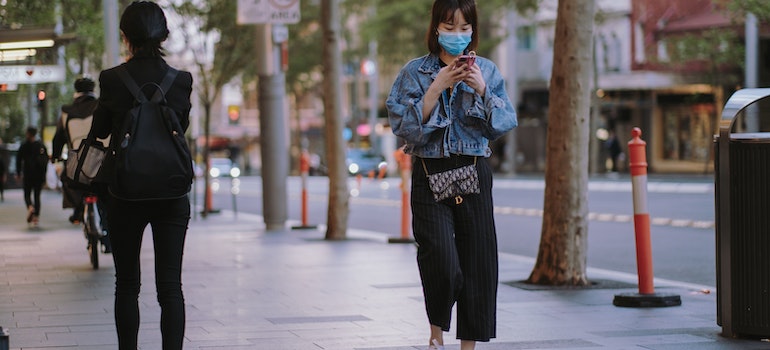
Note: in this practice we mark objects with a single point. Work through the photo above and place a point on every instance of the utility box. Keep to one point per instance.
(742, 191)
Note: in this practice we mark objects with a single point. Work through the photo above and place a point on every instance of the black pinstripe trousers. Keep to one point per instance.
(457, 251)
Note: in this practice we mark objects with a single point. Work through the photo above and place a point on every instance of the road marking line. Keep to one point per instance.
(602, 217)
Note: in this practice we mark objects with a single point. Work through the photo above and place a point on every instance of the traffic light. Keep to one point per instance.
(233, 114)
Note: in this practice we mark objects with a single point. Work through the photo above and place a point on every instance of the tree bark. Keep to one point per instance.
(561, 258)
(337, 217)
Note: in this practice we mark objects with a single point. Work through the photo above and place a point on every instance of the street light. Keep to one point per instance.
(16, 55)
(30, 44)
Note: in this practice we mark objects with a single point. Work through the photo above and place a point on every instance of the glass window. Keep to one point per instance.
(525, 38)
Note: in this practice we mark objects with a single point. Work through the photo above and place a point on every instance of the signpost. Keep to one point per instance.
(268, 11)
(31, 74)
(270, 17)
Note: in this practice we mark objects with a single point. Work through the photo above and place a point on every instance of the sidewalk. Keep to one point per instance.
(250, 289)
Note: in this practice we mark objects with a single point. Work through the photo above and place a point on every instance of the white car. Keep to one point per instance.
(223, 167)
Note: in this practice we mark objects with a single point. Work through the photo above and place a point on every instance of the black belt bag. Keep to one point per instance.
(453, 183)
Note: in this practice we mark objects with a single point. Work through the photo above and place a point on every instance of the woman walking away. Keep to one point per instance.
(448, 105)
(143, 28)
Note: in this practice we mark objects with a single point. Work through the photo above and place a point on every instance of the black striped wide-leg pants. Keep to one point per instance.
(457, 251)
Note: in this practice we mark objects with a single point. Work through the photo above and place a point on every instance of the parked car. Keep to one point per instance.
(223, 167)
(361, 161)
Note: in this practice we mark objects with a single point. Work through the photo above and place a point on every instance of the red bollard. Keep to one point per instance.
(304, 168)
(405, 166)
(646, 296)
(638, 166)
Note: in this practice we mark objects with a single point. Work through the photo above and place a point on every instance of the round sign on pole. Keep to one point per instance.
(284, 4)
(268, 11)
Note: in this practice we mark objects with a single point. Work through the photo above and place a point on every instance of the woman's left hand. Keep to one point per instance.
(475, 80)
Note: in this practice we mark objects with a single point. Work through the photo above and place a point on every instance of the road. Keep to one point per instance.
(682, 214)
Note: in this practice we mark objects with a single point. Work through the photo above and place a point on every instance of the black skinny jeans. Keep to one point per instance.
(168, 220)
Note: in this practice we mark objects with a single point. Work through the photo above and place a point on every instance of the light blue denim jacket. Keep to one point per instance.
(462, 125)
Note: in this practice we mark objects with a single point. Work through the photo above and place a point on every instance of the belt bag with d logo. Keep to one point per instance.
(454, 183)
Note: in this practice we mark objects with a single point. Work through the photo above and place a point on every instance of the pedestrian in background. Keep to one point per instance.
(31, 165)
(448, 108)
(615, 151)
(143, 28)
(73, 126)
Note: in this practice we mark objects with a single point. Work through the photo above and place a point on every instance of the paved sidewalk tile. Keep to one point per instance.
(246, 288)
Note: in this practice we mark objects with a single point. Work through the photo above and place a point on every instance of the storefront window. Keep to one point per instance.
(688, 132)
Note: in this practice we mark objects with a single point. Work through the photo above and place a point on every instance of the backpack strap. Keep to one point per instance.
(130, 84)
(165, 85)
(135, 90)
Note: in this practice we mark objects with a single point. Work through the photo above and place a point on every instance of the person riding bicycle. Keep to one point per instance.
(72, 128)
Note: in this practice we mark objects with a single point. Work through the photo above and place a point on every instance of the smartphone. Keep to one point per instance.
(468, 59)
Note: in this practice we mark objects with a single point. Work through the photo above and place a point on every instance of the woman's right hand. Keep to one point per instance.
(450, 75)
(446, 78)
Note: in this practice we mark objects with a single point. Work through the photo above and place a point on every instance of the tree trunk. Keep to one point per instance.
(337, 217)
(561, 258)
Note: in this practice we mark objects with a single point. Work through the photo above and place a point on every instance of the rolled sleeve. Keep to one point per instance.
(499, 112)
(404, 104)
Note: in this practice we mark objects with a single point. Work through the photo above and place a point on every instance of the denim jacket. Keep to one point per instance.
(462, 123)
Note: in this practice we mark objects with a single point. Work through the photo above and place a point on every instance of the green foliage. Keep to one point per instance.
(235, 52)
(27, 13)
(79, 17)
(715, 46)
(12, 116)
(400, 27)
(305, 39)
(84, 19)
(738, 8)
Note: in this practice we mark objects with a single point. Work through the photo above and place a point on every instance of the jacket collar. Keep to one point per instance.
(430, 64)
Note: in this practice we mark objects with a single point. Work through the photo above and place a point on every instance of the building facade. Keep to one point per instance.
(652, 71)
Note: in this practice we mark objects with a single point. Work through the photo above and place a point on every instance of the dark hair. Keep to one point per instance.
(144, 26)
(84, 85)
(31, 131)
(444, 11)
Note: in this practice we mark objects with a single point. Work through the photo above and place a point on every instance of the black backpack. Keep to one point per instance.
(152, 158)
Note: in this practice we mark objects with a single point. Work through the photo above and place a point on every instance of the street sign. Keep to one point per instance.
(31, 74)
(268, 11)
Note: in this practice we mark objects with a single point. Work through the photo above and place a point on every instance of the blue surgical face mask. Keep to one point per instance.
(454, 43)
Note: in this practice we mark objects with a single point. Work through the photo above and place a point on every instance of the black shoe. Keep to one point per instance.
(74, 220)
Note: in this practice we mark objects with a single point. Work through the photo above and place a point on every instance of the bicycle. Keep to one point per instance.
(93, 230)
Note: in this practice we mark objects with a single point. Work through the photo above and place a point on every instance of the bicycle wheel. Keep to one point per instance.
(91, 228)
(93, 251)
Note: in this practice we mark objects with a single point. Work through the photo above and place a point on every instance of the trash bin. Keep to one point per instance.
(3, 339)
(742, 191)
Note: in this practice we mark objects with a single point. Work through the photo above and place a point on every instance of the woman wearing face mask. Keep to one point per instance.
(448, 111)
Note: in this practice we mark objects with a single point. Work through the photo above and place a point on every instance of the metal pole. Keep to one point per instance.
(752, 40)
(273, 131)
(509, 161)
(111, 37)
(374, 82)
(593, 142)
